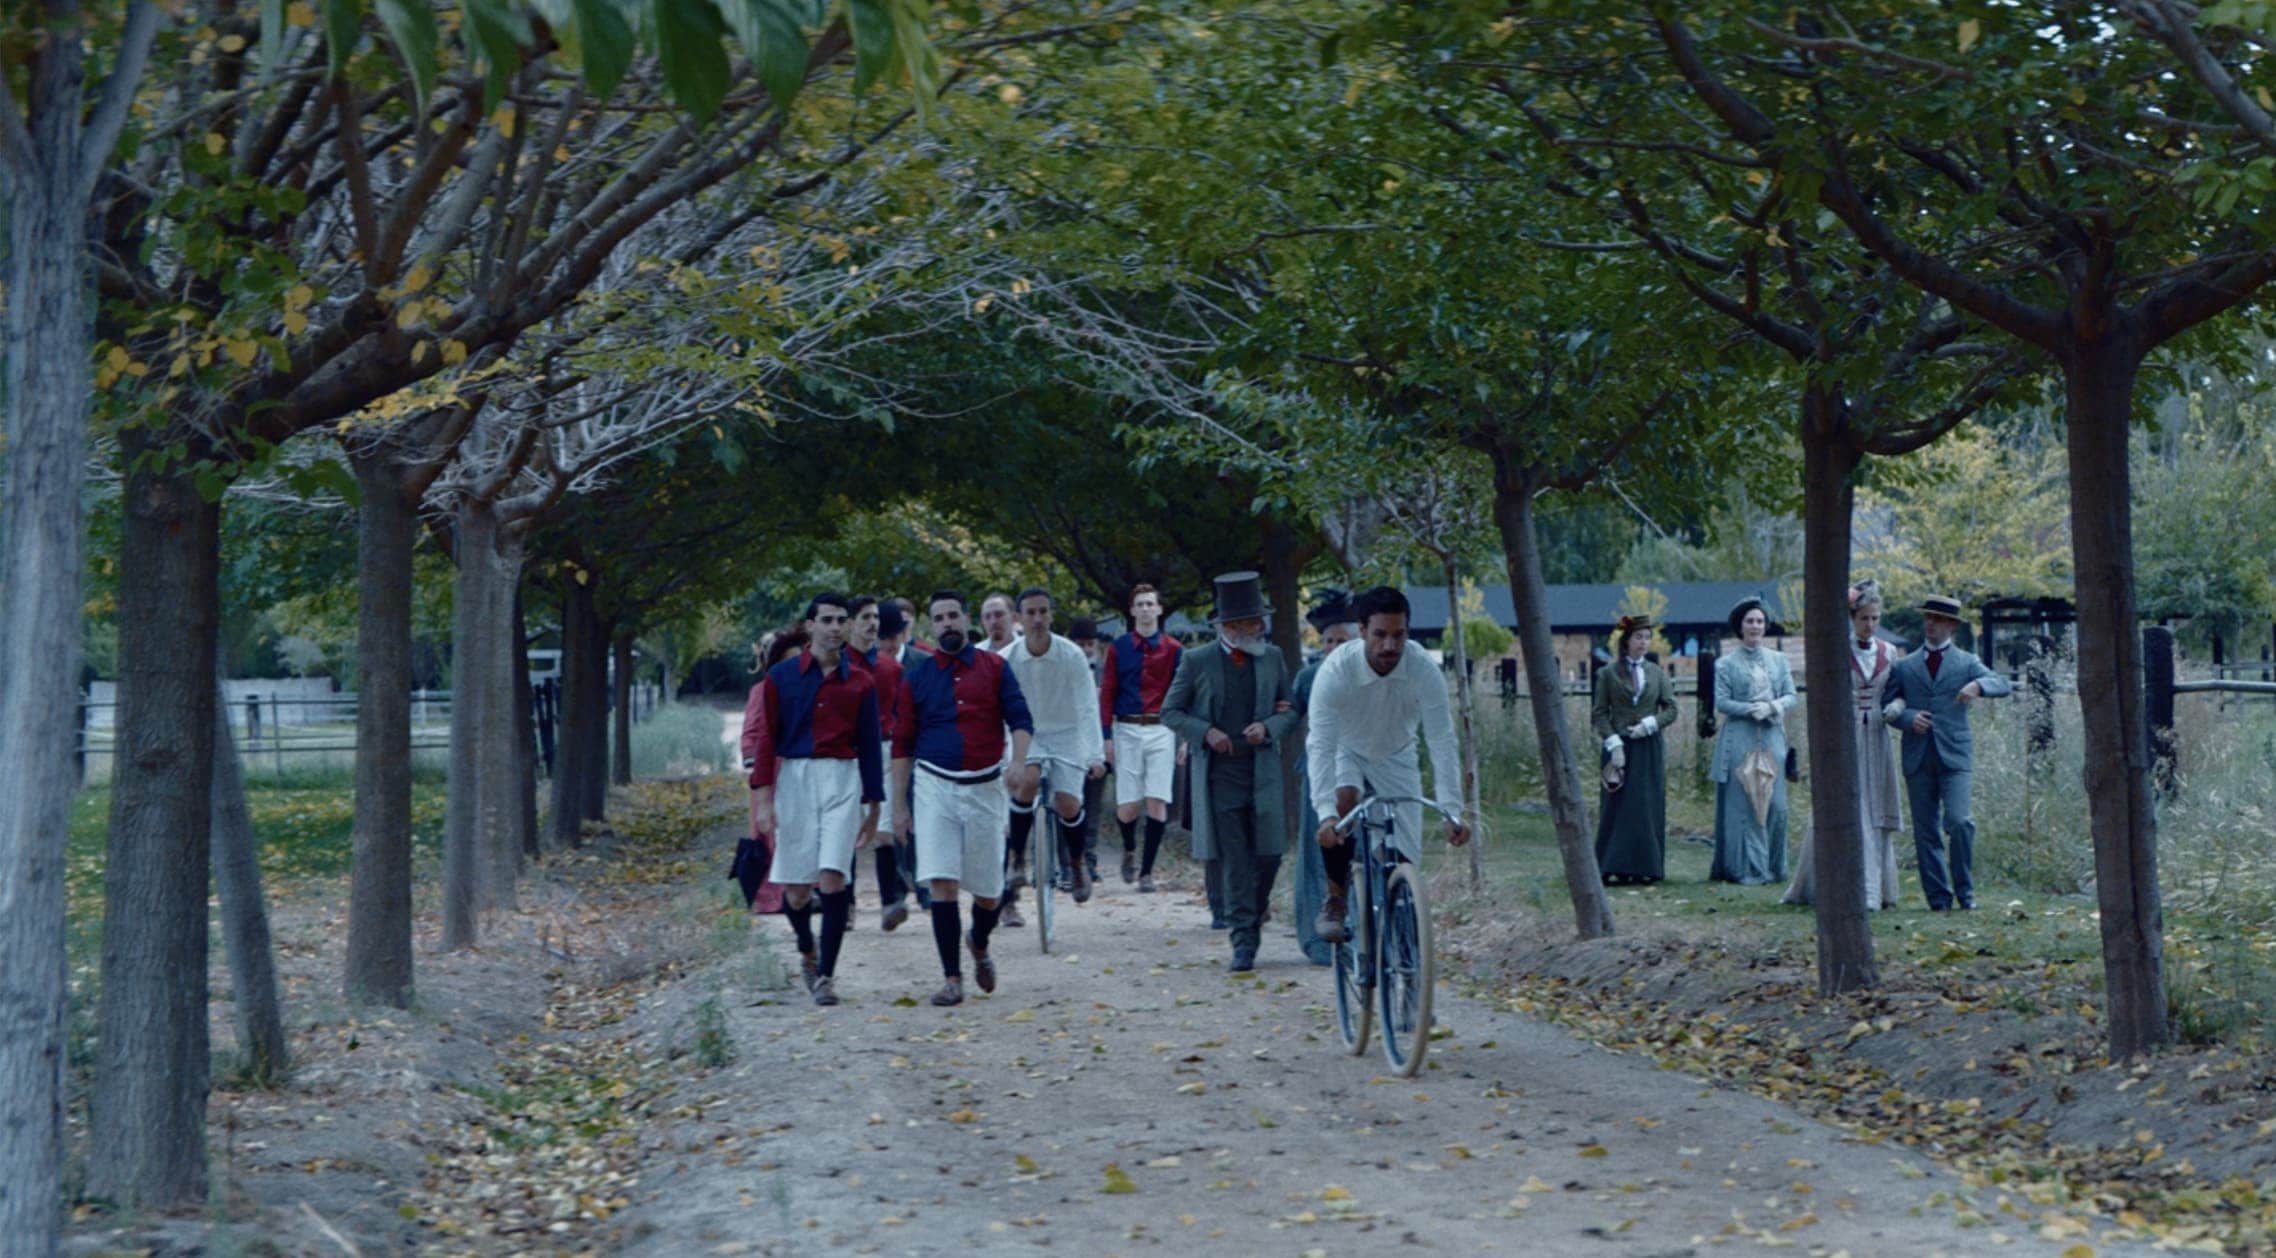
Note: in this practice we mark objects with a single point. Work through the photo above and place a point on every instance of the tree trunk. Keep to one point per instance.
(146, 1147)
(379, 965)
(1465, 723)
(2098, 387)
(46, 449)
(525, 735)
(1837, 846)
(621, 648)
(482, 856)
(1529, 590)
(583, 710)
(245, 913)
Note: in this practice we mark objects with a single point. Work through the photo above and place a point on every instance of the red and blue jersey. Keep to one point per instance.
(1136, 676)
(817, 713)
(887, 671)
(954, 709)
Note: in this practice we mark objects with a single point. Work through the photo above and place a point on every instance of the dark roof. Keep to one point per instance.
(1594, 608)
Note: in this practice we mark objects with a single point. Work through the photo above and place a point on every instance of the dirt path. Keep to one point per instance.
(1125, 1095)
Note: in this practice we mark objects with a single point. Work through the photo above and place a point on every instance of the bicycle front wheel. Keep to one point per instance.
(1355, 1008)
(1044, 844)
(1407, 970)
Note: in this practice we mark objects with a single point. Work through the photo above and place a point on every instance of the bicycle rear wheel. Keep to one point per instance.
(1044, 857)
(1355, 1008)
(1408, 971)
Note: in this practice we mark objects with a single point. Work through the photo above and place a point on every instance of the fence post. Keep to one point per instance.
(543, 696)
(2157, 680)
(79, 742)
(253, 718)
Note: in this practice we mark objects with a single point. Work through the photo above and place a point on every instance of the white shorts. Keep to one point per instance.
(1145, 758)
(817, 819)
(1062, 773)
(960, 831)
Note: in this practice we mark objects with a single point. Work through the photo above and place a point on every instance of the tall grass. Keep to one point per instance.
(681, 740)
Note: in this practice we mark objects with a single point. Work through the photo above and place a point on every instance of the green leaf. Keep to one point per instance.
(915, 49)
(411, 24)
(343, 26)
(871, 24)
(769, 32)
(604, 44)
(693, 60)
(495, 34)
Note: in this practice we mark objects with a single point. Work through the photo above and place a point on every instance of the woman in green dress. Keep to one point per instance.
(1634, 706)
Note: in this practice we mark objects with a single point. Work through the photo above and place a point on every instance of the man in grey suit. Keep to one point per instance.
(1232, 700)
(1932, 689)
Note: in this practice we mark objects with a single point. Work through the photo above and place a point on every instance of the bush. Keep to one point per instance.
(682, 740)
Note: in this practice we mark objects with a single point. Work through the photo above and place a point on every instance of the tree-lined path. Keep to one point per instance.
(1125, 1095)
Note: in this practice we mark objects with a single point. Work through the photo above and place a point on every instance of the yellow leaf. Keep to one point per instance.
(1009, 93)
(295, 322)
(233, 43)
(1026, 1164)
(1534, 1183)
(1970, 30)
(118, 358)
(966, 1115)
(454, 352)
(241, 352)
(300, 13)
(504, 121)
(419, 277)
(1118, 1180)
(418, 353)
(2080, 1250)
(1335, 1192)
(2266, 101)
(1191, 1089)
(214, 143)
(298, 297)
(1592, 1151)
(1024, 1015)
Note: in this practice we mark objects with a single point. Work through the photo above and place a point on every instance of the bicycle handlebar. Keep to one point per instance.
(1349, 819)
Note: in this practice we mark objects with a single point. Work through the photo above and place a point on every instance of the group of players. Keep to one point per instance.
(963, 734)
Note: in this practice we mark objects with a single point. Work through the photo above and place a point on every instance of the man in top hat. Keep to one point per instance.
(1332, 618)
(1231, 699)
(1931, 691)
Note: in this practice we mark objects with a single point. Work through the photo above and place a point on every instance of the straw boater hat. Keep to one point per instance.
(1240, 596)
(1739, 610)
(1943, 605)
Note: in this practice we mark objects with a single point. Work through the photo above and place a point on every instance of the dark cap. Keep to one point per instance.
(890, 622)
(1083, 629)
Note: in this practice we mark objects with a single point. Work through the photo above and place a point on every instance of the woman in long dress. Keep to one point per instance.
(1633, 705)
(1754, 688)
(1870, 660)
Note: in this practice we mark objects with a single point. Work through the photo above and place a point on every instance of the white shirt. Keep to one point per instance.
(1360, 718)
(1061, 697)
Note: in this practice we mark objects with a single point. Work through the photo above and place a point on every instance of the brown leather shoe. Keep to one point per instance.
(983, 968)
(1330, 924)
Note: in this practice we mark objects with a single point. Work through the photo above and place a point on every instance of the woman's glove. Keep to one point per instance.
(1895, 709)
(1645, 728)
(1761, 710)
(1612, 744)
(1619, 755)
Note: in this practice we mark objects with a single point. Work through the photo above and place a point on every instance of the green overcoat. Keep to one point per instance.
(1191, 709)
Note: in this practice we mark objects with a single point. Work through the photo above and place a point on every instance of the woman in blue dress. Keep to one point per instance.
(1754, 689)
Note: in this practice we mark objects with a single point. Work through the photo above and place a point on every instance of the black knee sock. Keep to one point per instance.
(1023, 824)
(947, 925)
(837, 909)
(889, 885)
(983, 925)
(1129, 833)
(1153, 844)
(802, 925)
(1070, 840)
(1338, 861)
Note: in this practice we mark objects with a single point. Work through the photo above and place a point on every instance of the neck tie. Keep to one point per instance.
(1935, 661)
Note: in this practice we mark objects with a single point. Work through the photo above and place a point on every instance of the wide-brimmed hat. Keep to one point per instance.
(1865, 591)
(1739, 610)
(1334, 609)
(1083, 629)
(1626, 625)
(1240, 596)
(1943, 605)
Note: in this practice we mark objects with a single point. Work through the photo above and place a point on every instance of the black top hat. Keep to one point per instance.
(1334, 609)
(1083, 629)
(1943, 605)
(1739, 610)
(1240, 596)
(890, 622)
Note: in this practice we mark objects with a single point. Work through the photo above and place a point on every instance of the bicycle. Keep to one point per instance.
(1387, 960)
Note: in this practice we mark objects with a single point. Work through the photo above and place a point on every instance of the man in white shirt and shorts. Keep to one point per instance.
(1068, 746)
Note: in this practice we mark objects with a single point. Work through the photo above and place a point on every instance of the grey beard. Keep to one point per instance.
(1251, 646)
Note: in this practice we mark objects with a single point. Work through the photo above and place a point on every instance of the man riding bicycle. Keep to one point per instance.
(1366, 704)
